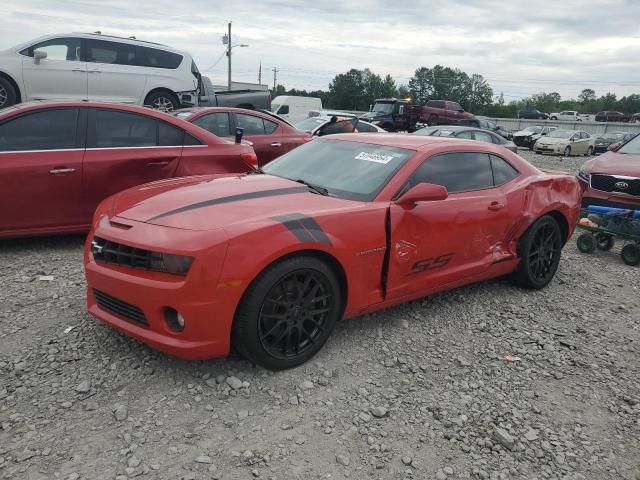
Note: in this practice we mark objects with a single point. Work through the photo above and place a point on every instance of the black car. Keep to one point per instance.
(606, 139)
(467, 133)
(487, 125)
(532, 114)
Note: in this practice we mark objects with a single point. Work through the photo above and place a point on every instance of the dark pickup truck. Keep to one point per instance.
(251, 99)
(394, 114)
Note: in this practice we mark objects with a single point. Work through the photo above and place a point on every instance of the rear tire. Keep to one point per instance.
(8, 95)
(539, 250)
(162, 100)
(433, 121)
(631, 254)
(287, 313)
(604, 242)
(589, 151)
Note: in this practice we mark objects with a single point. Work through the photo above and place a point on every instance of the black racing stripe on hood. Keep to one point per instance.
(233, 198)
(305, 228)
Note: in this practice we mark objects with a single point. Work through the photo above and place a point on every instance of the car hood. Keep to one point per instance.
(606, 141)
(615, 164)
(210, 202)
(522, 133)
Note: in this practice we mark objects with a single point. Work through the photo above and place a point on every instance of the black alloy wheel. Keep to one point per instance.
(539, 250)
(288, 313)
(294, 313)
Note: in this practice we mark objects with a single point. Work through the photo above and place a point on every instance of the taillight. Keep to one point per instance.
(307, 139)
(250, 159)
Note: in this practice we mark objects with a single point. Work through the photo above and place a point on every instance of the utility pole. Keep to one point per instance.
(229, 55)
(275, 76)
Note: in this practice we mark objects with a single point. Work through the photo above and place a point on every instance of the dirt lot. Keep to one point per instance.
(422, 391)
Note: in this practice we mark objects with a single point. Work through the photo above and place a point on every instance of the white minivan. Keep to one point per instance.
(95, 67)
(294, 109)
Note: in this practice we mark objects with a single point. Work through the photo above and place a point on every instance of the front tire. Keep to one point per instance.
(8, 95)
(539, 250)
(287, 314)
(163, 101)
(631, 254)
(589, 151)
(433, 121)
(567, 152)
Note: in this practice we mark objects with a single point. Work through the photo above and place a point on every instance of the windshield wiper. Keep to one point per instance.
(255, 171)
(316, 188)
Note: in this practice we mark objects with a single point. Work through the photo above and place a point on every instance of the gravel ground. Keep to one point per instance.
(487, 381)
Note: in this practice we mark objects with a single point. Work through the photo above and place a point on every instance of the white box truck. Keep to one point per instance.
(294, 109)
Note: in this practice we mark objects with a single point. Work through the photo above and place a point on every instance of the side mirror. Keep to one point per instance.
(239, 133)
(543, 133)
(39, 55)
(461, 110)
(614, 147)
(423, 192)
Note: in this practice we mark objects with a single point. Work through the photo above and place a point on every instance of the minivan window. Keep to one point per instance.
(57, 49)
(100, 51)
(154, 57)
(458, 172)
(53, 129)
(123, 129)
(435, 103)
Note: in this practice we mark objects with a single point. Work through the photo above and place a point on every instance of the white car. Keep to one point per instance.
(97, 67)
(570, 115)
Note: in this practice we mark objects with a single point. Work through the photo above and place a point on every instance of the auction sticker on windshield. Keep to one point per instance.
(374, 157)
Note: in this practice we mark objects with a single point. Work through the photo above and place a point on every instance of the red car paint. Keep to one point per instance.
(230, 226)
(268, 145)
(56, 190)
(611, 168)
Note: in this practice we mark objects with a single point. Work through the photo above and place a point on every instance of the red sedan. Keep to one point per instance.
(339, 227)
(59, 160)
(613, 179)
(269, 135)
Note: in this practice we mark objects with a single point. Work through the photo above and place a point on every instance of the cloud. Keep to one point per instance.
(520, 47)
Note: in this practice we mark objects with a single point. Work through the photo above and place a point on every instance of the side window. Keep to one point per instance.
(191, 140)
(216, 123)
(483, 137)
(57, 49)
(283, 110)
(502, 171)
(466, 135)
(454, 106)
(252, 125)
(363, 127)
(53, 129)
(435, 103)
(270, 127)
(123, 129)
(169, 136)
(153, 57)
(584, 135)
(100, 51)
(458, 172)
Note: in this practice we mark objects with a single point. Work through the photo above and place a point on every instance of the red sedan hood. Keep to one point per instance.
(206, 203)
(615, 164)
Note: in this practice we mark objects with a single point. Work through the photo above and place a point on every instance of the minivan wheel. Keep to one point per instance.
(7, 94)
(163, 101)
(287, 314)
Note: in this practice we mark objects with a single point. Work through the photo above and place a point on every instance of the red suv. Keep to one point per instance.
(59, 160)
(613, 179)
(270, 135)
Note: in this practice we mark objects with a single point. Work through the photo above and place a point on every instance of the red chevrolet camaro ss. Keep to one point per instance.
(344, 225)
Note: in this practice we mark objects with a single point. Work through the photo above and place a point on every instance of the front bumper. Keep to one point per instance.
(208, 310)
(523, 141)
(600, 148)
(550, 149)
(188, 99)
(591, 196)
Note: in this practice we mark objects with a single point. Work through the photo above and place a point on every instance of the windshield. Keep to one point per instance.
(533, 129)
(275, 107)
(383, 107)
(612, 136)
(349, 170)
(310, 124)
(632, 147)
(560, 134)
(433, 132)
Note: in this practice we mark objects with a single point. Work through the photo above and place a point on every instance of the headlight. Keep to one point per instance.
(376, 122)
(584, 175)
(174, 264)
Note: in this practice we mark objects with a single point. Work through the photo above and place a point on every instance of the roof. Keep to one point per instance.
(401, 140)
(43, 104)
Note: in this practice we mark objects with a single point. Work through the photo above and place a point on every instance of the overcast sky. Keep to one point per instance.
(520, 47)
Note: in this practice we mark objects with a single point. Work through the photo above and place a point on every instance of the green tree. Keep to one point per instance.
(347, 91)
(587, 95)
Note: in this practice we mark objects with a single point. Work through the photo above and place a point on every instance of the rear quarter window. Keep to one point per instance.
(503, 171)
(156, 58)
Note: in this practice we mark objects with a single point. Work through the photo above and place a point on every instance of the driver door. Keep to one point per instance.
(441, 242)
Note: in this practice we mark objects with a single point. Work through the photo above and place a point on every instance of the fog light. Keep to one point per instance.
(174, 319)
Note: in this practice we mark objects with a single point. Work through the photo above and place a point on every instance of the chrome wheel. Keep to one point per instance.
(163, 104)
(294, 313)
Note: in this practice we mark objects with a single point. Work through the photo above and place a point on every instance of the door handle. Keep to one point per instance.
(61, 170)
(95, 71)
(495, 206)
(276, 144)
(157, 164)
(78, 70)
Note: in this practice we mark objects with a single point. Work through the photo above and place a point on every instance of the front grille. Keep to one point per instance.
(120, 308)
(607, 183)
(521, 141)
(119, 254)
